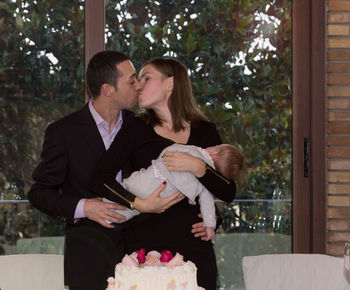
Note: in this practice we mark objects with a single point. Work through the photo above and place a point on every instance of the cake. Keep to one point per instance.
(154, 271)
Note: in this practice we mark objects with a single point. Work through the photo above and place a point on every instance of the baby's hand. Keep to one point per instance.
(209, 234)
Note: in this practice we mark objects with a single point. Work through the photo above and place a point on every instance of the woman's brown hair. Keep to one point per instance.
(182, 105)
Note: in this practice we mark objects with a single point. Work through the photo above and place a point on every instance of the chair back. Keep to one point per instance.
(31, 272)
(295, 272)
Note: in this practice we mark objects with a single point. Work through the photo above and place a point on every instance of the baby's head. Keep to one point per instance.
(228, 160)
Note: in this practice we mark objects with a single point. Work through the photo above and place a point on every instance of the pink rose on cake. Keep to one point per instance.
(153, 258)
(166, 256)
(141, 255)
(130, 260)
(178, 260)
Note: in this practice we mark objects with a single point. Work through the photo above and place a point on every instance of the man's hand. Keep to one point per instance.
(199, 231)
(154, 203)
(101, 212)
(183, 162)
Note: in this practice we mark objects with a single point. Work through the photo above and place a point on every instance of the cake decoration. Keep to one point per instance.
(154, 271)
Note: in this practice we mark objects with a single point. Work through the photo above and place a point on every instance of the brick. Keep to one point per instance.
(339, 200)
(338, 55)
(338, 116)
(338, 153)
(335, 249)
(338, 164)
(338, 225)
(338, 237)
(339, 188)
(339, 43)
(338, 176)
(339, 104)
(343, 212)
(338, 128)
(335, 17)
(338, 91)
(338, 5)
(341, 67)
(338, 30)
(338, 79)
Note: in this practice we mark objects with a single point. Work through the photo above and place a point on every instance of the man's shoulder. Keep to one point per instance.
(76, 117)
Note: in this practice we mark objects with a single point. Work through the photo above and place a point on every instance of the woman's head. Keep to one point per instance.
(165, 82)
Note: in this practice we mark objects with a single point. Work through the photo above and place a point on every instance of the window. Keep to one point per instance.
(42, 79)
(238, 54)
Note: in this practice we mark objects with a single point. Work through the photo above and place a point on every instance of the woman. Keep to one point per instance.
(171, 115)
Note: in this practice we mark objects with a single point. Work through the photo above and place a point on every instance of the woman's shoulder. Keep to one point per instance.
(204, 125)
(132, 119)
(204, 134)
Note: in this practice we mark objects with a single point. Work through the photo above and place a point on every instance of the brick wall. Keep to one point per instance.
(338, 125)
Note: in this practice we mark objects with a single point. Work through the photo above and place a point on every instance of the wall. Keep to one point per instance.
(338, 125)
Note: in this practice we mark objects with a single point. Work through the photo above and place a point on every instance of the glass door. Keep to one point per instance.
(239, 57)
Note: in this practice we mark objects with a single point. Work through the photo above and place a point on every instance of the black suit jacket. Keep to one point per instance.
(72, 146)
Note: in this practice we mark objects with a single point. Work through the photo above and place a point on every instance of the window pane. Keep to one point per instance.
(41, 80)
(239, 57)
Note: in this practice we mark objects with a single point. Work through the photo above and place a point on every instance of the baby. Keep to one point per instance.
(225, 158)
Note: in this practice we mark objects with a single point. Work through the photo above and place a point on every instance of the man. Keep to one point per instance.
(71, 148)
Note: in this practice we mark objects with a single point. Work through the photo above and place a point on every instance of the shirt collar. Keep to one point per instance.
(99, 120)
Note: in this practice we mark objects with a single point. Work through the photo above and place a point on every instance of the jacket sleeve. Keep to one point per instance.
(221, 187)
(45, 193)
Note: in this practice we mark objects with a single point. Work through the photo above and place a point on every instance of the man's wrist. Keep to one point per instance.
(79, 210)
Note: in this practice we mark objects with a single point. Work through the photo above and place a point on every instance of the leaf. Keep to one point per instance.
(190, 43)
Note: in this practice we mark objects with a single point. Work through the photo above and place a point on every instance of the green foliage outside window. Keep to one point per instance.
(41, 80)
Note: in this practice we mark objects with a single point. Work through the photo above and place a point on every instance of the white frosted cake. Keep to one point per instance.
(154, 271)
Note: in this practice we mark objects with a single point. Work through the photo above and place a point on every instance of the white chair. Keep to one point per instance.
(295, 272)
(31, 272)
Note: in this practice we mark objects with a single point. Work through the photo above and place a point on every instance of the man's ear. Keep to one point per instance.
(105, 90)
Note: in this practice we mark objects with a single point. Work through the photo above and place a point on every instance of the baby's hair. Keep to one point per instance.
(229, 161)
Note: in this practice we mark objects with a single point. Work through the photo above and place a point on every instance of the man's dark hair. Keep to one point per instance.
(102, 69)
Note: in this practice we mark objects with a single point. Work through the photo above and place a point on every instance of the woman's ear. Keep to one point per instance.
(170, 87)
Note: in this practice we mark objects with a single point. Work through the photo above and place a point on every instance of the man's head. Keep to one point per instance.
(228, 160)
(102, 69)
(111, 74)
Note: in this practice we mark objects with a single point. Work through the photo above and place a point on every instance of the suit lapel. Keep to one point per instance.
(90, 132)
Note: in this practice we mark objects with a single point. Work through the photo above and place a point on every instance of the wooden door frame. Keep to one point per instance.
(309, 111)
(308, 44)
(94, 37)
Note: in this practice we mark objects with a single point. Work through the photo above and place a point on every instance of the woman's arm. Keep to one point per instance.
(219, 186)
(204, 135)
(133, 135)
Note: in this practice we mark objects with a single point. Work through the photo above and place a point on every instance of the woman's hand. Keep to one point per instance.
(154, 203)
(183, 162)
